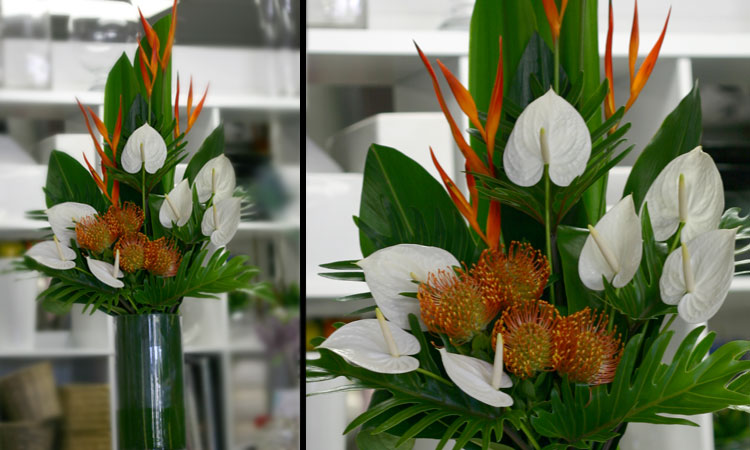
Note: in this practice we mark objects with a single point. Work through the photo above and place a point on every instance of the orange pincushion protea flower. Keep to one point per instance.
(453, 305)
(125, 219)
(162, 258)
(585, 350)
(93, 233)
(132, 249)
(510, 278)
(527, 329)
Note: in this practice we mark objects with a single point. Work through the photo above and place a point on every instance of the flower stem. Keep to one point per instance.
(677, 236)
(432, 375)
(547, 233)
(528, 434)
(556, 67)
(668, 324)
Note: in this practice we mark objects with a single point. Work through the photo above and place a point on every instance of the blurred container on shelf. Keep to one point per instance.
(28, 435)
(18, 291)
(89, 330)
(74, 144)
(403, 131)
(204, 322)
(86, 417)
(26, 44)
(98, 33)
(30, 394)
(337, 13)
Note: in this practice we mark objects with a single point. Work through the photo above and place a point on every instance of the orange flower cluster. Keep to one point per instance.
(536, 338)
(121, 226)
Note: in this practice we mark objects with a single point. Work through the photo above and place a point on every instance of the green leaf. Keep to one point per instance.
(537, 60)
(342, 265)
(679, 133)
(694, 382)
(403, 203)
(69, 181)
(212, 147)
(121, 83)
(344, 276)
(367, 440)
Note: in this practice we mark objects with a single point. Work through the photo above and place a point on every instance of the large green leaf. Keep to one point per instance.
(212, 147)
(69, 181)
(570, 241)
(121, 83)
(403, 203)
(694, 382)
(679, 133)
(535, 66)
(367, 440)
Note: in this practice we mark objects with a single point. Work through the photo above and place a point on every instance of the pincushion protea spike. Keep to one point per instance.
(452, 304)
(517, 276)
(162, 258)
(637, 79)
(126, 219)
(527, 330)
(132, 248)
(469, 209)
(93, 233)
(584, 350)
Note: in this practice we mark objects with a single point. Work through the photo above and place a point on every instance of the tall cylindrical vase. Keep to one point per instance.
(149, 361)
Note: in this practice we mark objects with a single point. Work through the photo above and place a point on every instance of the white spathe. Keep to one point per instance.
(390, 271)
(215, 177)
(703, 189)
(105, 272)
(565, 143)
(53, 254)
(221, 220)
(362, 343)
(474, 377)
(613, 249)
(145, 148)
(177, 206)
(699, 287)
(63, 217)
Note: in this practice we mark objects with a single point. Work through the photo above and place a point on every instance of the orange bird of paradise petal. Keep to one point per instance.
(609, 101)
(554, 18)
(493, 225)
(105, 159)
(634, 38)
(495, 109)
(193, 116)
(118, 131)
(177, 108)
(170, 38)
(471, 157)
(644, 72)
(463, 98)
(458, 198)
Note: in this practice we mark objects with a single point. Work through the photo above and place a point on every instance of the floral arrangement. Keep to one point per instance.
(548, 329)
(126, 239)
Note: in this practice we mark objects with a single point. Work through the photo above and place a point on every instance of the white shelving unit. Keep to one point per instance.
(83, 364)
(363, 59)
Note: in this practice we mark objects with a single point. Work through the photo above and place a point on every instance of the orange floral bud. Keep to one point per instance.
(584, 350)
(132, 249)
(527, 329)
(162, 258)
(93, 233)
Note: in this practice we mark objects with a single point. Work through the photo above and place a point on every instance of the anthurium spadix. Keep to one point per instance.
(698, 275)
(63, 217)
(221, 221)
(177, 206)
(549, 132)
(145, 148)
(375, 345)
(613, 248)
(688, 191)
(398, 269)
(478, 378)
(53, 254)
(105, 272)
(216, 178)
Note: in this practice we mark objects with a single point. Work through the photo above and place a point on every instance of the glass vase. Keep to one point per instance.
(149, 365)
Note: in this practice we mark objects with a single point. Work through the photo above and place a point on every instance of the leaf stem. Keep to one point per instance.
(516, 438)
(432, 375)
(668, 324)
(547, 233)
(528, 434)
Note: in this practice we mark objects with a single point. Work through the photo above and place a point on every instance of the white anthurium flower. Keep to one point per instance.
(215, 177)
(221, 221)
(177, 206)
(63, 217)
(548, 132)
(145, 149)
(698, 275)
(688, 190)
(375, 345)
(53, 254)
(613, 248)
(478, 378)
(107, 273)
(397, 269)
